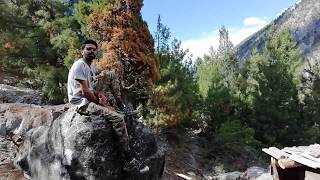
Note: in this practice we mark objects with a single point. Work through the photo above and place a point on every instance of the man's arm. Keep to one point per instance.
(87, 92)
(94, 96)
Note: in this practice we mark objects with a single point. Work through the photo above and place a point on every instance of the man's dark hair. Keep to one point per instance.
(88, 41)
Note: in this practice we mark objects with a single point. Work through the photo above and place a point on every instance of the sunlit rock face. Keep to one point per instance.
(63, 144)
(303, 22)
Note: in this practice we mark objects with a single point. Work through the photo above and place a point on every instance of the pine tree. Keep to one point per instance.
(222, 107)
(162, 37)
(127, 44)
(84, 9)
(175, 96)
(276, 110)
(225, 44)
(224, 61)
(38, 37)
(310, 92)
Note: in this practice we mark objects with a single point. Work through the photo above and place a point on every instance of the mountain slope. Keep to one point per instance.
(303, 22)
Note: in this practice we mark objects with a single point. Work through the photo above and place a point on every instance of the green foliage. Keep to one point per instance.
(214, 73)
(225, 45)
(247, 84)
(179, 97)
(218, 103)
(85, 8)
(281, 47)
(218, 80)
(42, 37)
(67, 44)
(207, 73)
(310, 92)
(53, 81)
(162, 37)
(259, 102)
(272, 91)
(267, 100)
(233, 131)
(222, 64)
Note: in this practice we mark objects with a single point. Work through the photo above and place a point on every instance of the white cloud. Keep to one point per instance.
(201, 46)
(198, 47)
(254, 21)
(240, 34)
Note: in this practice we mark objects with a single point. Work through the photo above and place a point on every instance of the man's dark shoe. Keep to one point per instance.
(131, 113)
(135, 166)
(83, 111)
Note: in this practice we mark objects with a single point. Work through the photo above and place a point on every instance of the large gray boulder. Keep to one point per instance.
(17, 119)
(256, 173)
(252, 173)
(228, 176)
(73, 146)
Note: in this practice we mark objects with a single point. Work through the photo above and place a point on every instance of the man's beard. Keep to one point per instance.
(90, 56)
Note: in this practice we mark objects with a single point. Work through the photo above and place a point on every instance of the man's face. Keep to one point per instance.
(89, 52)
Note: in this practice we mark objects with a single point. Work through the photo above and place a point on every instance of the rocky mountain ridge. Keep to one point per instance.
(302, 20)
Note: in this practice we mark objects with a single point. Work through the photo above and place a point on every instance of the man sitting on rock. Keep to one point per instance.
(89, 101)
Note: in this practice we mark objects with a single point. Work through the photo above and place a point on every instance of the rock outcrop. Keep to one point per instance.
(17, 119)
(11, 94)
(252, 173)
(62, 144)
(256, 173)
(228, 176)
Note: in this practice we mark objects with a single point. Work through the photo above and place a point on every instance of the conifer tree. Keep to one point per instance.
(175, 94)
(225, 44)
(127, 44)
(310, 92)
(39, 39)
(224, 61)
(276, 110)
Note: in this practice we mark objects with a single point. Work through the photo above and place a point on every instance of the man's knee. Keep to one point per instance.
(95, 109)
(117, 117)
(113, 116)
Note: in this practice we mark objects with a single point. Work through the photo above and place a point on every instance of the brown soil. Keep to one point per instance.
(9, 172)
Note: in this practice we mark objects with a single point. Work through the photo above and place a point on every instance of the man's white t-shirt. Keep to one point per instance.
(80, 70)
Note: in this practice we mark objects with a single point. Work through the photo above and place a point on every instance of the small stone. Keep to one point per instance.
(191, 173)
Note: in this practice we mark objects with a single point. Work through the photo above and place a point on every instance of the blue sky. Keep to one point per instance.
(196, 23)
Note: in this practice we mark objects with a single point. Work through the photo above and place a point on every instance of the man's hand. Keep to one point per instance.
(87, 92)
(104, 101)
